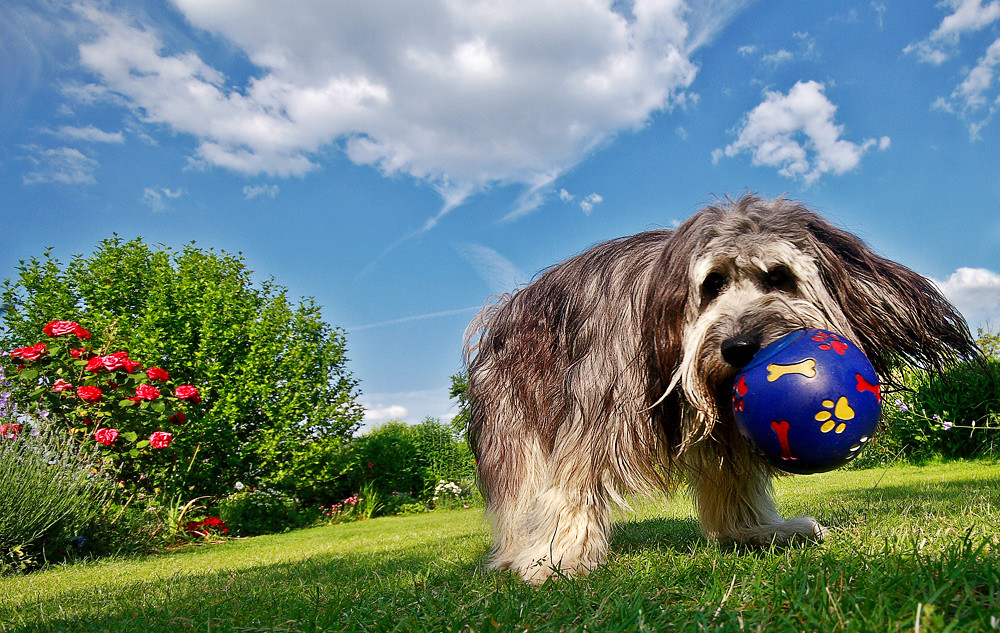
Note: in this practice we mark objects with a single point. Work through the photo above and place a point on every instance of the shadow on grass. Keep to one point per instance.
(679, 535)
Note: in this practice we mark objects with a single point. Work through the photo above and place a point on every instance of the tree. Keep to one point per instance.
(280, 401)
(460, 389)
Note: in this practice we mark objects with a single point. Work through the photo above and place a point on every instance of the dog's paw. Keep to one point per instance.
(791, 531)
(797, 530)
(537, 572)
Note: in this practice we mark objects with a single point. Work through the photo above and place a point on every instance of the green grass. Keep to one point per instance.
(904, 541)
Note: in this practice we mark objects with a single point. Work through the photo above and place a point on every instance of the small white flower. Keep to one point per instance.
(239, 485)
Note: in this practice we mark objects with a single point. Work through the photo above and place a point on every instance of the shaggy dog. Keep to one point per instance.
(612, 373)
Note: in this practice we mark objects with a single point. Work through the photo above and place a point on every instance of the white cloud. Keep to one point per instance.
(777, 58)
(499, 273)
(968, 16)
(587, 204)
(156, 197)
(381, 413)
(976, 99)
(89, 134)
(62, 165)
(461, 95)
(255, 191)
(796, 133)
(975, 292)
(408, 406)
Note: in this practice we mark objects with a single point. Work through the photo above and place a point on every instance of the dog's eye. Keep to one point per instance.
(712, 286)
(779, 278)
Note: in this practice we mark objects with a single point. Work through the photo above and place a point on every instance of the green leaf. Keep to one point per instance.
(29, 375)
(142, 444)
(159, 407)
(133, 453)
(130, 436)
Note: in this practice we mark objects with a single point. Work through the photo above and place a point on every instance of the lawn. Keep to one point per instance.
(911, 549)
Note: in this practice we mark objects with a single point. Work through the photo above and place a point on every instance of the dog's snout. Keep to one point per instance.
(739, 350)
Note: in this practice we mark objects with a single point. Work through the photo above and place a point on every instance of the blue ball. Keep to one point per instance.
(808, 402)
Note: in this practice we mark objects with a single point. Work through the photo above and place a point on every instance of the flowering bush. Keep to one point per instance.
(50, 487)
(206, 528)
(452, 494)
(259, 511)
(104, 398)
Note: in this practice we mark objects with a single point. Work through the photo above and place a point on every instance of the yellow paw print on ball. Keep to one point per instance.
(834, 420)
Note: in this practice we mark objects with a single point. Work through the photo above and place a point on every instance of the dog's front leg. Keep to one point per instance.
(564, 530)
(735, 500)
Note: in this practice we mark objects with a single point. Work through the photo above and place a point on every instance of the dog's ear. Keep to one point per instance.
(897, 314)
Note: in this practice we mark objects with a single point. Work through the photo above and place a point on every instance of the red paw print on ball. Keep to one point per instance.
(830, 341)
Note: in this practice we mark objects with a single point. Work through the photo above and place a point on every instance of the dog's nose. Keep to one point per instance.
(739, 350)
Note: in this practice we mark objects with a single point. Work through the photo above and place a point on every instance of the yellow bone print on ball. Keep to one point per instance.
(806, 368)
(842, 411)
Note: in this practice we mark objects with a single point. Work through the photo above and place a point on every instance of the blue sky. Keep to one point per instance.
(402, 161)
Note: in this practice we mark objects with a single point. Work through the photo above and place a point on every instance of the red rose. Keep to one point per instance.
(147, 392)
(155, 373)
(106, 436)
(62, 385)
(130, 365)
(77, 352)
(135, 401)
(178, 418)
(188, 392)
(159, 439)
(9, 430)
(114, 361)
(58, 328)
(89, 394)
(94, 364)
(29, 353)
(82, 333)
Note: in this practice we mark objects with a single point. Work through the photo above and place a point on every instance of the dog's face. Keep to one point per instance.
(746, 291)
(736, 278)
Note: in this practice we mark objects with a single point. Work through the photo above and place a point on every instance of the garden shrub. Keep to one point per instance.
(398, 458)
(260, 511)
(51, 489)
(951, 414)
(280, 401)
(104, 398)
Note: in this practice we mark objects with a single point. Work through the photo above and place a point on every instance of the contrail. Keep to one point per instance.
(417, 317)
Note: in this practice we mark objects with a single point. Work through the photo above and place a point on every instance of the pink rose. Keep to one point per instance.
(90, 394)
(188, 392)
(159, 439)
(62, 385)
(106, 436)
(155, 373)
(147, 392)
